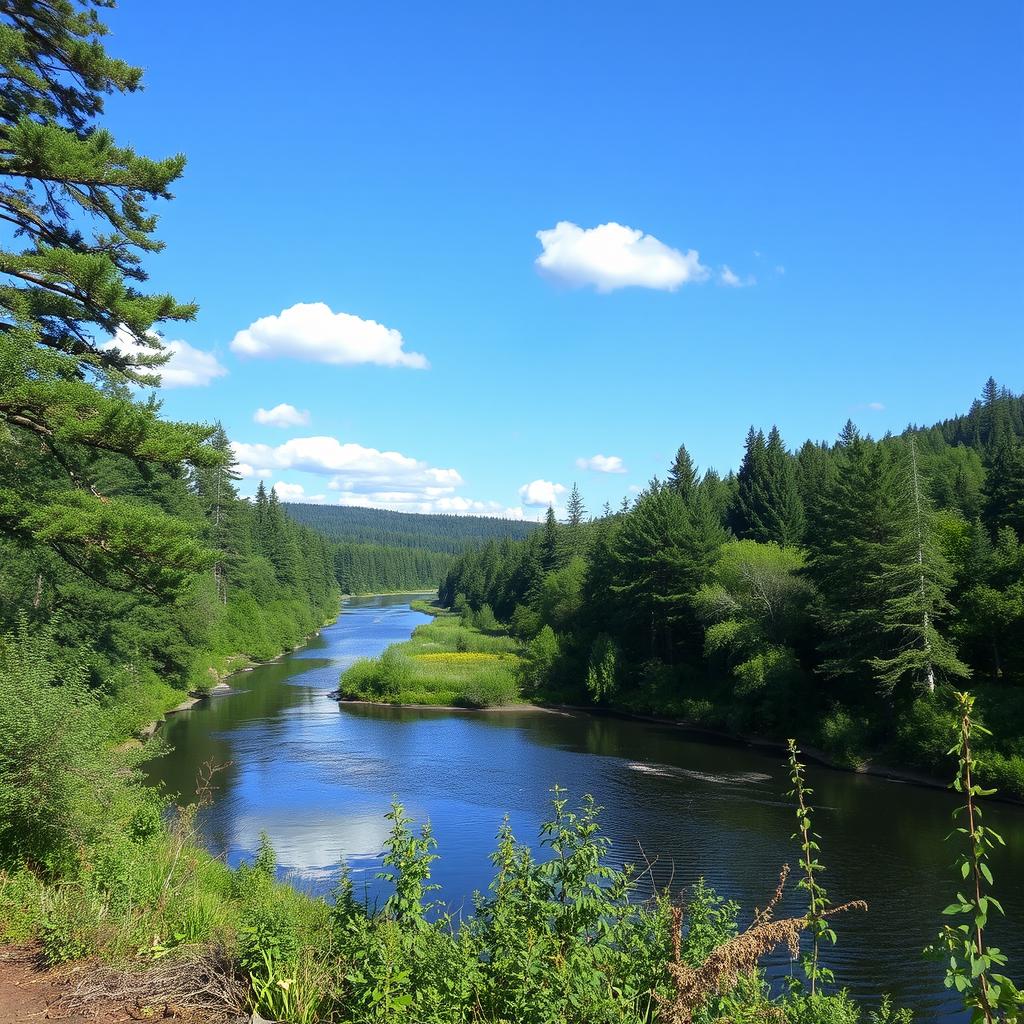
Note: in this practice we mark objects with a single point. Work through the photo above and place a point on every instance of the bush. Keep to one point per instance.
(846, 738)
(443, 664)
(52, 756)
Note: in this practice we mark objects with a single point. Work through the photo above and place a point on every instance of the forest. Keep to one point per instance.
(838, 591)
(450, 534)
(378, 551)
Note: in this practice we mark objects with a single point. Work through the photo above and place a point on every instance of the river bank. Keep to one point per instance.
(317, 777)
(389, 681)
(235, 664)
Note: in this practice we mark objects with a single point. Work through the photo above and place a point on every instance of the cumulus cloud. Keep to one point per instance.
(612, 256)
(602, 464)
(283, 415)
(731, 279)
(187, 367)
(314, 332)
(296, 492)
(352, 467)
(365, 477)
(410, 501)
(540, 493)
(245, 471)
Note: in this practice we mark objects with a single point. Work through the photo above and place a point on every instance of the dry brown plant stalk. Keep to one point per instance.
(733, 959)
(194, 983)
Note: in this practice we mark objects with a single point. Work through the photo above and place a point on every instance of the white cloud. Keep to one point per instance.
(602, 464)
(365, 477)
(411, 501)
(351, 466)
(187, 367)
(296, 492)
(731, 279)
(289, 492)
(244, 470)
(612, 256)
(283, 415)
(876, 406)
(313, 331)
(540, 493)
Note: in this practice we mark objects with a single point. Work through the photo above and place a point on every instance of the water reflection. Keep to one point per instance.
(319, 779)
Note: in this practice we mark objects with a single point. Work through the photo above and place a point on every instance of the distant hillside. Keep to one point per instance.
(444, 533)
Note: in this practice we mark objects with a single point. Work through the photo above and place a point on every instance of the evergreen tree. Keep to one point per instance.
(70, 277)
(683, 474)
(1004, 488)
(915, 578)
(663, 552)
(575, 510)
(551, 554)
(744, 515)
(851, 542)
(575, 515)
(226, 528)
(768, 506)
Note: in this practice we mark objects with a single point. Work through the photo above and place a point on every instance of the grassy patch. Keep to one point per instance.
(444, 663)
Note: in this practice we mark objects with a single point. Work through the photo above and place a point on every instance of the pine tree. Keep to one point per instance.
(745, 514)
(782, 518)
(575, 515)
(226, 532)
(663, 552)
(915, 578)
(70, 277)
(1004, 488)
(768, 506)
(858, 521)
(551, 552)
(683, 474)
(575, 510)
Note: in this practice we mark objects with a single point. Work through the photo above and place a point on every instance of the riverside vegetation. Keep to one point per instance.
(131, 569)
(836, 592)
(455, 660)
(92, 866)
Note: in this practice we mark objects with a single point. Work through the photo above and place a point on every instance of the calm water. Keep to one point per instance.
(319, 780)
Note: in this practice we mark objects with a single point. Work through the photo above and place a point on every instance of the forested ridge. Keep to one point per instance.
(837, 591)
(379, 551)
(450, 534)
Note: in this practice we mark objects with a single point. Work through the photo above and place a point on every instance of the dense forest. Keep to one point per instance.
(378, 551)
(836, 591)
(449, 534)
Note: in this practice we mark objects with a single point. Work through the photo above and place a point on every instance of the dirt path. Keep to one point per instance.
(29, 994)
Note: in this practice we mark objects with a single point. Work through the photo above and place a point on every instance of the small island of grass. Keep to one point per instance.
(446, 663)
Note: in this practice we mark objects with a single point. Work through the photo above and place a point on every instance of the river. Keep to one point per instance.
(319, 779)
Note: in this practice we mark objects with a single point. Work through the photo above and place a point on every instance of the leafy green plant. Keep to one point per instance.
(408, 859)
(811, 868)
(973, 965)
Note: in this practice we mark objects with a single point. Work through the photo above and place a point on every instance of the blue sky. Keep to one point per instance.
(825, 203)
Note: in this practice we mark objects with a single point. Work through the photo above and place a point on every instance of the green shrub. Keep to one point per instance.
(846, 738)
(52, 758)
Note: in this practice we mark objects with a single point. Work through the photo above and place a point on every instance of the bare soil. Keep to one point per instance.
(31, 993)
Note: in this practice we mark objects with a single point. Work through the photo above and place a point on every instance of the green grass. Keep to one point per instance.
(444, 664)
